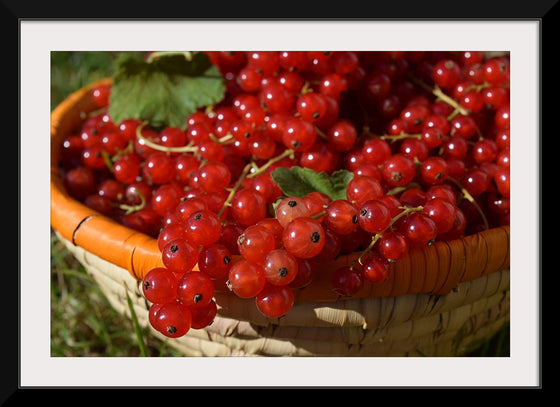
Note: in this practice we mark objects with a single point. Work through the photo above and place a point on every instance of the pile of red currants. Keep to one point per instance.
(424, 136)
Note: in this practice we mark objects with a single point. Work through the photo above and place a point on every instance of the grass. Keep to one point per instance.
(83, 323)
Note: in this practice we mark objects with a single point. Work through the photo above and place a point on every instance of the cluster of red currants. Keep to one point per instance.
(425, 135)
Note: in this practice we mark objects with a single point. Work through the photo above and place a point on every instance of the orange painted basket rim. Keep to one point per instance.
(436, 269)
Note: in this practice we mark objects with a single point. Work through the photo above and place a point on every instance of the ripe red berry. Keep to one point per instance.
(172, 319)
(255, 243)
(341, 217)
(180, 255)
(375, 268)
(347, 281)
(392, 245)
(363, 188)
(304, 238)
(215, 260)
(159, 285)
(203, 316)
(374, 216)
(248, 207)
(203, 228)
(433, 170)
(398, 170)
(246, 279)
(290, 208)
(442, 212)
(446, 73)
(280, 267)
(195, 289)
(418, 229)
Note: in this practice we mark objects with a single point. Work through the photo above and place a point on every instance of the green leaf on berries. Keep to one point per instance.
(164, 91)
(299, 181)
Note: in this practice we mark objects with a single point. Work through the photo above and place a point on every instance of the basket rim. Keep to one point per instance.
(440, 266)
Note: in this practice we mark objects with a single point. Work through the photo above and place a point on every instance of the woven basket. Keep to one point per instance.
(439, 300)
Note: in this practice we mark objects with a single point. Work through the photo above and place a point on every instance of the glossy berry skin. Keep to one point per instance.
(168, 233)
(180, 255)
(311, 106)
(92, 157)
(100, 95)
(433, 170)
(275, 301)
(374, 216)
(304, 238)
(442, 212)
(215, 261)
(246, 279)
(159, 285)
(375, 268)
(214, 176)
(484, 151)
(290, 208)
(160, 168)
(347, 281)
(316, 202)
(376, 151)
(398, 170)
(188, 206)
(418, 229)
(275, 228)
(165, 199)
(458, 228)
(432, 137)
(475, 181)
(255, 243)
(298, 134)
(202, 316)
(195, 289)
(173, 320)
(80, 182)
(502, 180)
(126, 168)
(341, 217)
(446, 73)
(363, 188)
(455, 147)
(280, 267)
(463, 126)
(203, 228)
(248, 207)
(392, 245)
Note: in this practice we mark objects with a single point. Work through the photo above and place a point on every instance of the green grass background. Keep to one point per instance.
(83, 323)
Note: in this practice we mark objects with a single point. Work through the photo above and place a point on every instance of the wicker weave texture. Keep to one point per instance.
(408, 325)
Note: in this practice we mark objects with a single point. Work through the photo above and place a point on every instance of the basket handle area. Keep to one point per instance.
(435, 269)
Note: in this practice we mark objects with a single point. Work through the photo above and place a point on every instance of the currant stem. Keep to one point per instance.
(321, 133)
(260, 170)
(402, 136)
(450, 101)
(470, 198)
(398, 190)
(405, 211)
(107, 159)
(438, 93)
(133, 208)
(189, 148)
(225, 140)
(233, 190)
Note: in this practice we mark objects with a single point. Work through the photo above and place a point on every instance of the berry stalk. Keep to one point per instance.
(189, 148)
(405, 211)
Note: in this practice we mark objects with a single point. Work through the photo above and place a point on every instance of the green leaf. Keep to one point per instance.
(299, 181)
(165, 91)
